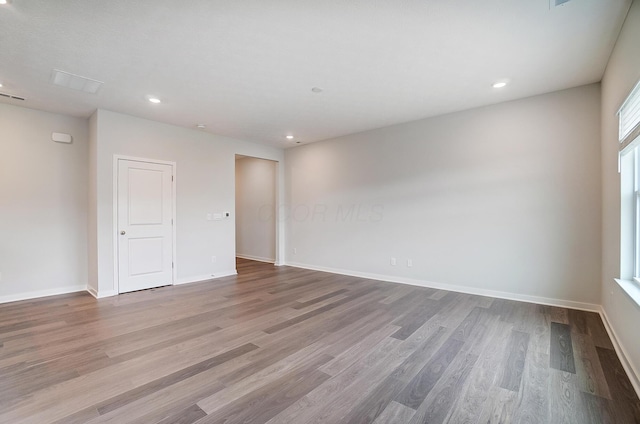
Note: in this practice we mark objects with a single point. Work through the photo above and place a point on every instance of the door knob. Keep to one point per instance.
(123, 232)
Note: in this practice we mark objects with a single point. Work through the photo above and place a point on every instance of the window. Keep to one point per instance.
(636, 214)
(629, 115)
(629, 137)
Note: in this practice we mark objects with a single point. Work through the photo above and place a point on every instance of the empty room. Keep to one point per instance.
(296, 211)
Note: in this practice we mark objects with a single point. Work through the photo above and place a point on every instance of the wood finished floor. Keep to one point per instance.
(286, 345)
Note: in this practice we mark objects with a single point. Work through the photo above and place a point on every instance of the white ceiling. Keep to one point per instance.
(245, 68)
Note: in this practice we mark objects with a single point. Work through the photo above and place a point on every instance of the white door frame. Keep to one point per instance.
(279, 209)
(116, 158)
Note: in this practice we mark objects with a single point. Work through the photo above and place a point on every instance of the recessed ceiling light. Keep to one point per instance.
(317, 90)
(201, 126)
(500, 84)
(289, 137)
(3, 1)
(0, 82)
(154, 100)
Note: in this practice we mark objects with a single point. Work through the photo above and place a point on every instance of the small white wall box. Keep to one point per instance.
(61, 138)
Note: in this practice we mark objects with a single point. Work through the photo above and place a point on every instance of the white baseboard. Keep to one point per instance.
(101, 294)
(632, 373)
(206, 277)
(187, 280)
(93, 292)
(255, 258)
(42, 293)
(591, 307)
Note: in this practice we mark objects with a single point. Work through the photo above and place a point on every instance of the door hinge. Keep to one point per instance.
(172, 178)
(171, 221)
(171, 264)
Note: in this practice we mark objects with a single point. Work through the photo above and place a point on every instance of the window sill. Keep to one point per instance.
(631, 288)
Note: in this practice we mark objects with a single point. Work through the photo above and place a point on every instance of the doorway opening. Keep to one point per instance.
(256, 212)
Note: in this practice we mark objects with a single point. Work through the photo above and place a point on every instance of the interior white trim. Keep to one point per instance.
(43, 293)
(206, 277)
(632, 373)
(174, 172)
(255, 258)
(631, 288)
(591, 307)
(93, 292)
(280, 211)
(102, 294)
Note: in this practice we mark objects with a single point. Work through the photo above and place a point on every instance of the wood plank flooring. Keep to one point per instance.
(286, 345)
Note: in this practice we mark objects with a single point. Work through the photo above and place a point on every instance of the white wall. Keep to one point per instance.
(256, 209)
(503, 198)
(623, 72)
(43, 204)
(205, 184)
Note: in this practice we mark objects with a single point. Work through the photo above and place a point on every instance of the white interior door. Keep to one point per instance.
(145, 233)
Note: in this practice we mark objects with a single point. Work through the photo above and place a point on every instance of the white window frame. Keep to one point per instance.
(636, 214)
(629, 118)
(629, 163)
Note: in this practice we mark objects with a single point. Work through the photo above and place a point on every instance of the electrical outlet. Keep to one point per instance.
(393, 261)
(214, 259)
(409, 263)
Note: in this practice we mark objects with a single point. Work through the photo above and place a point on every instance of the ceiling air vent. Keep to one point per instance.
(9, 96)
(556, 3)
(75, 82)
